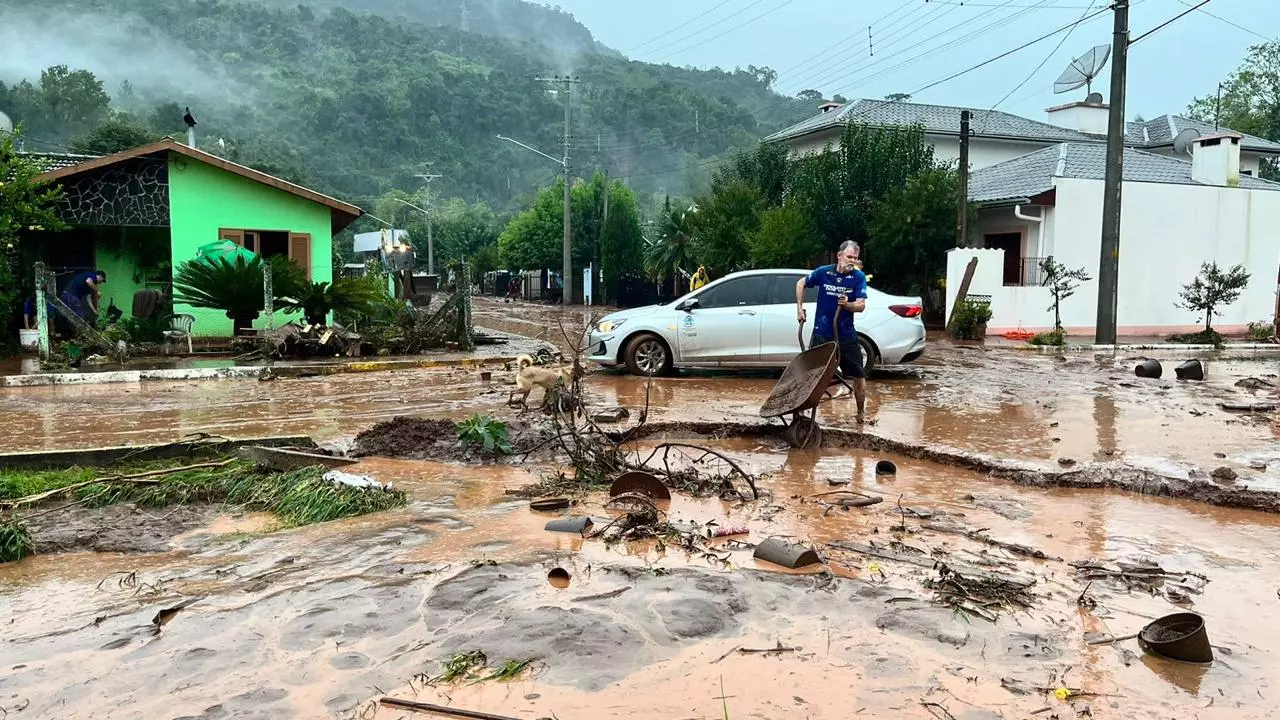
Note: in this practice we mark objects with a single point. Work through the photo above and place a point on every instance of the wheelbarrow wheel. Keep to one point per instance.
(804, 434)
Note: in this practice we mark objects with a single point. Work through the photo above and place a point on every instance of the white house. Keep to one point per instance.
(1175, 214)
(997, 136)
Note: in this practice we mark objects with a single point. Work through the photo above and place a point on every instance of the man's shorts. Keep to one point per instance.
(850, 354)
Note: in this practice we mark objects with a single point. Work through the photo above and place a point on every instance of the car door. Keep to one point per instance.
(723, 327)
(778, 326)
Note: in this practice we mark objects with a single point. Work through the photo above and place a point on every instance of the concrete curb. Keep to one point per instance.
(1162, 347)
(244, 372)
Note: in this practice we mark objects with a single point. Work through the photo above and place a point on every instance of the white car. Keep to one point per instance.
(747, 320)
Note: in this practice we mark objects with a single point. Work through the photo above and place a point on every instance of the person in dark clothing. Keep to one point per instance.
(83, 293)
(842, 291)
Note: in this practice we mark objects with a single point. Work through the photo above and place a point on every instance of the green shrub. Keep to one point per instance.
(1049, 337)
(484, 432)
(969, 318)
(1264, 330)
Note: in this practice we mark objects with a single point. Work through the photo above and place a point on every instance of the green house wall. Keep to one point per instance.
(204, 199)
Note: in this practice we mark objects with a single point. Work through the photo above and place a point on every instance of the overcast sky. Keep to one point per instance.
(922, 41)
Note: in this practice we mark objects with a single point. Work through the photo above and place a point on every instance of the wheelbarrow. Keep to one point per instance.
(805, 384)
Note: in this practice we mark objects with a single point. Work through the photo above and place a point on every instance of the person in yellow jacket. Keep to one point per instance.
(699, 279)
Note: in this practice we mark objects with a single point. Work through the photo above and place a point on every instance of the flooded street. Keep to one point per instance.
(322, 621)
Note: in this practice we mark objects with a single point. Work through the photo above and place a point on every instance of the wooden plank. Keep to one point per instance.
(284, 460)
(102, 456)
(963, 292)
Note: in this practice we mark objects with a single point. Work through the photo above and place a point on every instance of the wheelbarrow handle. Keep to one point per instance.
(835, 331)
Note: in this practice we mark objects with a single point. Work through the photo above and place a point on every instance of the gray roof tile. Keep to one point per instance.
(57, 161)
(1034, 173)
(934, 119)
(1161, 131)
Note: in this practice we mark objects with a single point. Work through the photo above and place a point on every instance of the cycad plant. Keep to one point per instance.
(235, 286)
(354, 297)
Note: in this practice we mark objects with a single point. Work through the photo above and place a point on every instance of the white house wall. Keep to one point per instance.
(946, 148)
(1249, 162)
(1167, 231)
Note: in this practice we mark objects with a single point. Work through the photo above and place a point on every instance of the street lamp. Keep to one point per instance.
(563, 162)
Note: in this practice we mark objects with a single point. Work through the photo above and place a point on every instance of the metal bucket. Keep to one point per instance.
(1149, 369)
(1180, 636)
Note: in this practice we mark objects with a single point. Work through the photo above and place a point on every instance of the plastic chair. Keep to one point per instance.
(181, 327)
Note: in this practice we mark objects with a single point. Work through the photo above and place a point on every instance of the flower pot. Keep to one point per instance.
(242, 321)
(29, 339)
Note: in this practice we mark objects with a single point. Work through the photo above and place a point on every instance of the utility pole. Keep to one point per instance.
(565, 85)
(1109, 256)
(596, 297)
(962, 199)
(431, 244)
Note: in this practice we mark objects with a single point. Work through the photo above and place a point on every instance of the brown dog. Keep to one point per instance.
(529, 376)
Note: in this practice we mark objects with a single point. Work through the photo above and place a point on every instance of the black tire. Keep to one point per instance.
(870, 358)
(804, 434)
(646, 354)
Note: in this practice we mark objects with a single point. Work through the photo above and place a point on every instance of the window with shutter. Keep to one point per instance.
(235, 236)
(300, 252)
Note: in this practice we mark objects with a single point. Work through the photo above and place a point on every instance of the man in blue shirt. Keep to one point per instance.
(841, 287)
(83, 293)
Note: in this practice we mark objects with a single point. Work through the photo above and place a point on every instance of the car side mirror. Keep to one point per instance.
(688, 305)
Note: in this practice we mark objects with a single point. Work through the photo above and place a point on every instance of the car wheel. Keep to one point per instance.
(869, 357)
(647, 355)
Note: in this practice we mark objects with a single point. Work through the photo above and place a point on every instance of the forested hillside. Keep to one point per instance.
(358, 103)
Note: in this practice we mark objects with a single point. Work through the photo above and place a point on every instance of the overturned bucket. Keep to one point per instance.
(788, 555)
(639, 481)
(1149, 369)
(1190, 370)
(1181, 636)
(577, 525)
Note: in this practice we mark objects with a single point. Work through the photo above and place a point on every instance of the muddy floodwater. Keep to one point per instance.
(322, 621)
(319, 622)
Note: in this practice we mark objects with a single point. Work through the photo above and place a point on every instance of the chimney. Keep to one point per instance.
(1090, 116)
(191, 136)
(1215, 160)
(827, 107)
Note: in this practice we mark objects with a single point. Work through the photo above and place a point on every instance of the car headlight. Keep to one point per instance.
(609, 325)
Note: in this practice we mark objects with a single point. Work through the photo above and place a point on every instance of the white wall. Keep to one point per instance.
(946, 148)
(1167, 231)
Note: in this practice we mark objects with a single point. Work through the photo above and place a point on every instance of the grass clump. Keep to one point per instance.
(1264, 330)
(300, 497)
(15, 541)
(484, 432)
(469, 666)
(1049, 337)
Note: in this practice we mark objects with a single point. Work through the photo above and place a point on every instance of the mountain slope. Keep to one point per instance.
(361, 103)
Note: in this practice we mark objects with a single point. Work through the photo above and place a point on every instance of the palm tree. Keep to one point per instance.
(674, 248)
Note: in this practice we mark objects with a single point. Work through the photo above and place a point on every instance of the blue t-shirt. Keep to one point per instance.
(79, 285)
(831, 285)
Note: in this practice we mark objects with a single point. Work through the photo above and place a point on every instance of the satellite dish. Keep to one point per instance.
(1082, 70)
(1182, 141)
(6, 125)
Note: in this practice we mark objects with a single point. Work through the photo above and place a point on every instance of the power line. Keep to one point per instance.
(686, 23)
(931, 85)
(1166, 23)
(735, 28)
(854, 37)
(1052, 52)
(695, 33)
(1232, 24)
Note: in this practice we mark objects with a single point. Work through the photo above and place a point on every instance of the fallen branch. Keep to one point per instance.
(422, 707)
(141, 478)
(978, 535)
(778, 649)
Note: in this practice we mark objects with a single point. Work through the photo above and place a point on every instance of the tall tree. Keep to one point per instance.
(26, 206)
(673, 250)
(911, 229)
(121, 132)
(1250, 99)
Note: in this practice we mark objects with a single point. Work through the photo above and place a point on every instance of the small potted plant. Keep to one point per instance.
(969, 321)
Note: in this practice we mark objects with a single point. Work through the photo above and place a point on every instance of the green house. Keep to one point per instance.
(140, 213)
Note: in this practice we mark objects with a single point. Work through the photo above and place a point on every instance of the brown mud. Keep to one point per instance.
(323, 620)
(124, 528)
